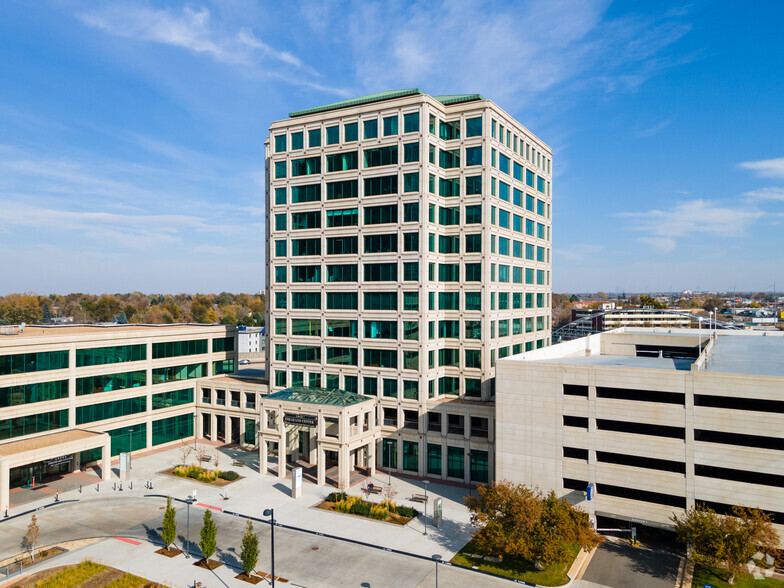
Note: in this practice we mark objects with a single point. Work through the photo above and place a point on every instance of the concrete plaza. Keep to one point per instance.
(305, 559)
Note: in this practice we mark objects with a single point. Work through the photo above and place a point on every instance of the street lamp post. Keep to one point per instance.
(188, 501)
(436, 558)
(270, 512)
(425, 482)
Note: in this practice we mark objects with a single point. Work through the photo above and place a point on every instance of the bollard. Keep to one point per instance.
(57, 496)
(121, 489)
(98, 487)
(114, 486)
(6, 513)
(131, 483)
(80, 488)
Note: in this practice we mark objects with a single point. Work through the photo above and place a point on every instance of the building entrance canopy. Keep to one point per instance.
(307, 423)
(51, 448)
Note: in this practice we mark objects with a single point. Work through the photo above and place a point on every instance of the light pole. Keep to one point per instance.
(425, 482)
(190, 500)
(195, 420)
(270, 512)
(436, 558)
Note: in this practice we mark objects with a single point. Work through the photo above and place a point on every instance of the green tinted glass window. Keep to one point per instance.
(341, 328)
(31, 393)
(179, 372)
(346, 189)
(370, 129)
(33, 362)
(110, 410)
(34, 423)
(411, 122)
(390, 126)
(473, 127)
(172, 429)
(410, 152)
(333, 135)
(280, 143)
(106, 355)
(350, 132)
(314, 138)
(111, 382)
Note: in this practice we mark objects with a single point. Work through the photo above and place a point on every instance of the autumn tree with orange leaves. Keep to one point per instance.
(518, 521)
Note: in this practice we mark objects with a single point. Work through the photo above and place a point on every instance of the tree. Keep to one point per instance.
(30, 538)
(651, 302)
(730, 540)
(249, 553)
(713, 304)
(209, 533)
(122, 318)
(515, 520)
(169, 526)
(46, 314)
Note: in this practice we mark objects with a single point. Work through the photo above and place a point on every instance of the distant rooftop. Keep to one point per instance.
(10, 333)
(657, 363)
(307, 395)
(761, 355)
(389, 95)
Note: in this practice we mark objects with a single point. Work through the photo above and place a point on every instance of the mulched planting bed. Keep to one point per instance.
(249, 579)
(169, 551)
(208, 564)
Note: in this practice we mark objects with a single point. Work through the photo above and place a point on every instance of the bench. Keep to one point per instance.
(418, 498)
(238, 463)
(374, 490)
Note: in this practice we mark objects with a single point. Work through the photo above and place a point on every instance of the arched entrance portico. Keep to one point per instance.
(320, 427)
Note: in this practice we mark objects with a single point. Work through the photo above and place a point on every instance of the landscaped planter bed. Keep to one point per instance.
(386, 511)
(203, 475)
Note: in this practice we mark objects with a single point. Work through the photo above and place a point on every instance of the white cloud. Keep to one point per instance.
(660, 244)
(511, 53)
(771, 193)
(662, 228)
(766, 168)
(195, 30)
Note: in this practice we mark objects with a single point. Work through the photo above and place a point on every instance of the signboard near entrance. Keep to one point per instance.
(437, 512)
(59, 460)
(307, 420)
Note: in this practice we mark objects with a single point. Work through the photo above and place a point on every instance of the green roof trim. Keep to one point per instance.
(307, 395)
(357, 101)
(457, 98)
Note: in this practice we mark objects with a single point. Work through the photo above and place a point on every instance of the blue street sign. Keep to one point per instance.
(589, 491)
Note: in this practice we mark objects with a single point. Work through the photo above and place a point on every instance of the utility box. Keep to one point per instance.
(296, 482)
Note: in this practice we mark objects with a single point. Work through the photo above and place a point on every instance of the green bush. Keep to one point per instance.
(194, 474)
(335, 496)
(406, 511)
(229, 475)
(360, 508)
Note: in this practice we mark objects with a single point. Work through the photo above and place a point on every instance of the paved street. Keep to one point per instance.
(130, 514)
(619, 565)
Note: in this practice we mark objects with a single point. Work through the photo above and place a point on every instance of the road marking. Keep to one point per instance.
(218, 508)
(131, 541)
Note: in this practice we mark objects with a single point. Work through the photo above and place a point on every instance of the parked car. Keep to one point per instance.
(244, 362)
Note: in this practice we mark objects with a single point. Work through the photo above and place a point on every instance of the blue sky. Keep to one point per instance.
(131, 133)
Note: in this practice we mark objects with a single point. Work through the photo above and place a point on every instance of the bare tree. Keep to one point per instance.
(30, 539)
(185, 451)
(202, 455)
(216, 459)
(388, 493)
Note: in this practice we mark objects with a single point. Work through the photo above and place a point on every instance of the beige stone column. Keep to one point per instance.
(371, 449)
(282, 445)
(227, 426)
(106, 460)
(5, 481)
(262, 456)
(321, 477)
(343, 467)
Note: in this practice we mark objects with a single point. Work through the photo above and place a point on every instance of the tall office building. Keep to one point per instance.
(408, 248)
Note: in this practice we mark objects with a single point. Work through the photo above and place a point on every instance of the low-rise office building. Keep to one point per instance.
(73, 395)
(656, 420)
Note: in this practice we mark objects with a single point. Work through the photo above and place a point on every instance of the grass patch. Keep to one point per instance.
(72, 576)
(128, 581)
(518, 568)
(716, 577)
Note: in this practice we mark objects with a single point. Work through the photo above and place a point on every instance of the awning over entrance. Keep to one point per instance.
(312, 424)
(49, 447)
(324, 396)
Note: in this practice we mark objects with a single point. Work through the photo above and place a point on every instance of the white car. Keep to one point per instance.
(244, 362)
